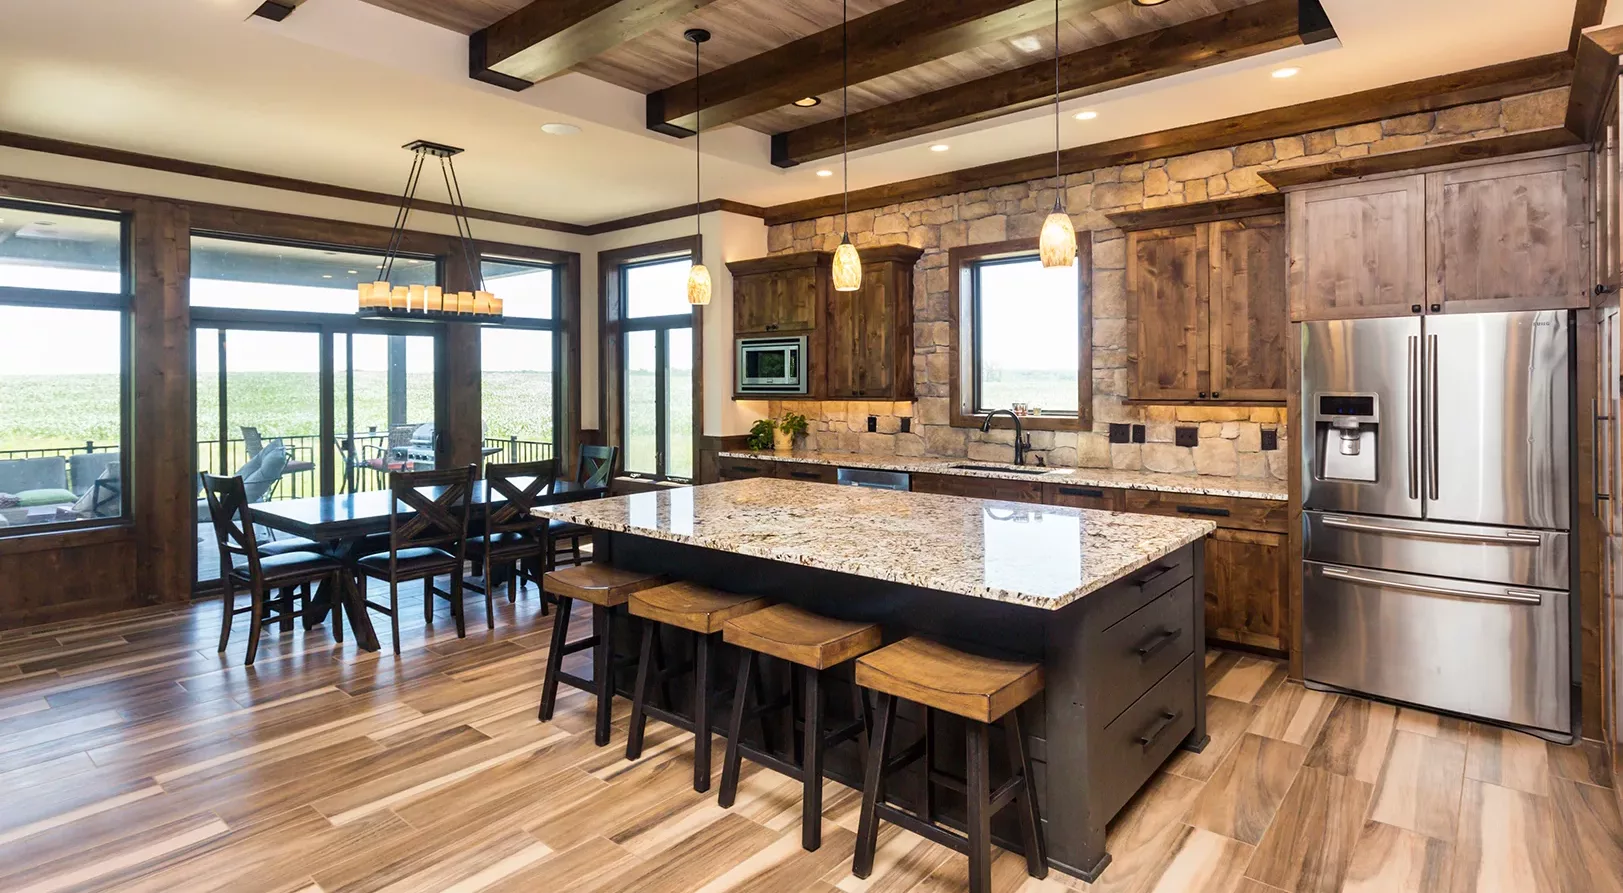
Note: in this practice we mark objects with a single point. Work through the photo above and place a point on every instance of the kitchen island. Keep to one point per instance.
(1106, 602)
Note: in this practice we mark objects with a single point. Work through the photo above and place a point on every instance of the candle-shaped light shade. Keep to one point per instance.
(435, 297)
(847, 267)
(464, 302)
(481, 302)
(364, 294)
(380, 294)
(416, 298)
(699, 285)
(398, 298)
(1058, 242)
(495, 306)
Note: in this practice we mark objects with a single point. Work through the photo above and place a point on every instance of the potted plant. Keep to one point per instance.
(792, 425)
(761, 435)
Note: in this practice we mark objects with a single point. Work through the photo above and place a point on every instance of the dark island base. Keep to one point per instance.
(1125, 679)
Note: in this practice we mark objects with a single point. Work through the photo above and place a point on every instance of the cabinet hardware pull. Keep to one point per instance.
(1082, 491)
(1161, 640)
(1154, 732)
(1414, 308)
(1216, 395)
(1512, 537)
(1203, 510)
(1154, 574)
(1203, 395)
(1516, 596)
(806, 475)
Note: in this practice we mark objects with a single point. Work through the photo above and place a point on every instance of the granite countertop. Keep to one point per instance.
(1086, 477)
(1038, 556)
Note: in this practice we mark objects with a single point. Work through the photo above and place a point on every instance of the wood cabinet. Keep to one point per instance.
(1358, 249)
(729, 469)
(1083, 496)
(978, 488)
(1508, 236)
(1206, 311)
(869, 353)
(807, 471)
(782, 293)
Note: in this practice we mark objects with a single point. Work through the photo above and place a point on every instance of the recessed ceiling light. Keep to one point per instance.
(326, 275)
(825, 172)
(1027, 44)
(1148, 2)
(809, 101)
(940, 147)
(1287, 72)
(559, 128)
(1086, 116)
(353, 272)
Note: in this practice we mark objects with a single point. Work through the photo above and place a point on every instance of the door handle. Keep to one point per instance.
(1436, 451)
(1510, 537)
(1514, 596)
(1414, 416)
(1602, 492)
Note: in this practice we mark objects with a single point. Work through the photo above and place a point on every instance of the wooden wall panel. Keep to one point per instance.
(45, 578)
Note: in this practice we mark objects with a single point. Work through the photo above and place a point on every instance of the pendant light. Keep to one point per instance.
(1057, 244)
(698, 274)
(847, 265)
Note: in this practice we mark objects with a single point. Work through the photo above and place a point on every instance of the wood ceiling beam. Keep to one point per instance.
(1585, 14)
(883, 42)
(1594, 77)
(1412, 97)
(1237, 34)
(548, 37)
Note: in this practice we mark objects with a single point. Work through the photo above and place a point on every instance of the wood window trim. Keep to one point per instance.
(610, 399)
(960, 352)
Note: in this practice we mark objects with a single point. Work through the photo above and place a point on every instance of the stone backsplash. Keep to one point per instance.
(1230, 439)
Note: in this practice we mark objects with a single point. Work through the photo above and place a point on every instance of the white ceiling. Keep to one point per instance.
(333, 92)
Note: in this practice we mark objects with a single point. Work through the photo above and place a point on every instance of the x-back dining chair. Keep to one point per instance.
(428, 538)
(595, 468)
(242, 565)
(512, 535)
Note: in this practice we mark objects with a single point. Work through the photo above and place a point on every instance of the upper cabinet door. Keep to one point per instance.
(1248, 316)
(779, 301)
(1358, 249)
(862, 337)
(1510, 236)
(1166, 301)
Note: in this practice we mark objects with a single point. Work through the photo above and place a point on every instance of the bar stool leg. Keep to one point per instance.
(811, 770)
(703, 648)
(929, 764)
(735, 729)
(602, 672)
(639, 694)
(873, 787)
(977, 790)
(1030, 820)
(555, 659)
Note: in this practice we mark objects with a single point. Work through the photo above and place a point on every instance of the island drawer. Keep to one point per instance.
(1121, 598)
(1137, 652)
(806, 471)
(1244, 514)
(1132, 747)
(743, 469)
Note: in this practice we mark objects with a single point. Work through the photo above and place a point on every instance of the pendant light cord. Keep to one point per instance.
(845, 117)
(1059, 191)
(698, 131)
(402, 214)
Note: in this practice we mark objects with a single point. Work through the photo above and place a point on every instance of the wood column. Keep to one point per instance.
(458, 413)
(162, 492)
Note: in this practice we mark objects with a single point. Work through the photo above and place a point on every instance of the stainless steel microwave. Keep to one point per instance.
(772, 365)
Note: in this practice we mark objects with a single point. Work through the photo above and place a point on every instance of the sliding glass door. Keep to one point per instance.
(384, 407)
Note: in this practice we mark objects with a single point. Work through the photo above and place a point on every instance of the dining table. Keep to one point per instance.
(347, 527)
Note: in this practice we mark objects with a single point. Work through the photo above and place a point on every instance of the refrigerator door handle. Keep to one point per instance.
(1509, 537)
(1432, 425)
(1414, 416)
(1514, 596)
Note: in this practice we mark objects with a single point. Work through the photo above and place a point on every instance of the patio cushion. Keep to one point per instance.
(49, 496)
(45, 472)
(84, 469)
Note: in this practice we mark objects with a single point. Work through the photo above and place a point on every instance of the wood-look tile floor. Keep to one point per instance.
(133, 757)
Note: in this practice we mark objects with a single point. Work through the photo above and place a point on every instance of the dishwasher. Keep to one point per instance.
(874, 479)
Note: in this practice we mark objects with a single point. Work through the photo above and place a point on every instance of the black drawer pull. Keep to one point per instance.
(1203, 510)
(1160, 641)
(746, 469)
(1083, 491)
(1167, 718)
(1155, 573)
(806, 475)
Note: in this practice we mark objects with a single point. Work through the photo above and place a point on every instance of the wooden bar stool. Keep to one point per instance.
(605, 587)
(982, 691)
(701, 611)
(811, 644)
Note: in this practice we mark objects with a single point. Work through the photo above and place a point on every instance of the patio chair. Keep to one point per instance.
(363, 458)
(253, 444)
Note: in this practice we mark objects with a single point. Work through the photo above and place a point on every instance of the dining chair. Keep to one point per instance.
(512, 535)
(428, 538)
(594, 468)
(242, 564)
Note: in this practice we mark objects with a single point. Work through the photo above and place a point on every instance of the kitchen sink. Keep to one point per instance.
(1002, 469)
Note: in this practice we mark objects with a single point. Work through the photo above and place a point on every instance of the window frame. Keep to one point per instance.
(615, 329)
(964, 322)
(559, 328)
(121, 302)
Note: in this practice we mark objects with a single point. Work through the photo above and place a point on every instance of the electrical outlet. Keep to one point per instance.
(873, 424)
(1187, 436)
(1138, 434)
(907, 424)
(1120, 433)
(1270, 439)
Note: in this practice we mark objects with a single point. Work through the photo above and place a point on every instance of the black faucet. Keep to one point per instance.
(1021, 441)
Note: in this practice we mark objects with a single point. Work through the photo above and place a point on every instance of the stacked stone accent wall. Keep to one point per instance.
(1230, 442)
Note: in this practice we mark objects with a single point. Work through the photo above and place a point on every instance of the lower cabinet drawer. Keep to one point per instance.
(1136, 743)
(807, 471)
(742, 469)
(1137, 652)
(1083, 496)
(1245, 514)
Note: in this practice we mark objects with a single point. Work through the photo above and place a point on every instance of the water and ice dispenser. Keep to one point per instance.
(1346, 426)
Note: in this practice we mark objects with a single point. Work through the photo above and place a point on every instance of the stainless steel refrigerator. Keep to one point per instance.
(1436, 479)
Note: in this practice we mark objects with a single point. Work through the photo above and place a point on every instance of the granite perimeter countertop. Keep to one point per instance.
(1086, 477)
(1035, 555)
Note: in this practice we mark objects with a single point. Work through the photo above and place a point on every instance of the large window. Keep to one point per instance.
(521, 398)
(64, 302)
(253, 275)
(649, 358)
(1023, 335)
